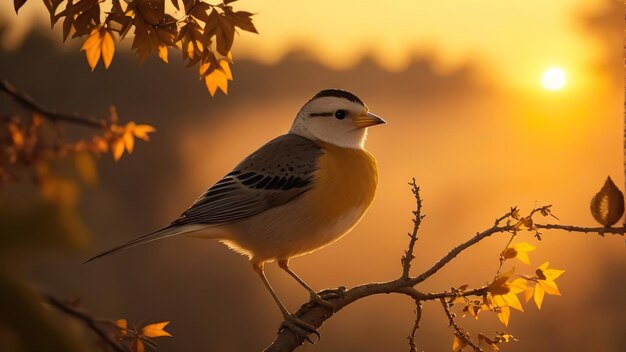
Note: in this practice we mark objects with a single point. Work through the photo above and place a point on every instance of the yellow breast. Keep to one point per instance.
(345, 183)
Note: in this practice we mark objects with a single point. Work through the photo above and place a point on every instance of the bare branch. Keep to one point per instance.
(89, 321)
(29, 104)
(408, 254)
(416, 326)
(599, 230)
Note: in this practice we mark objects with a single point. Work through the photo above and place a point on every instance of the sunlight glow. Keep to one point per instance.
(553, 79)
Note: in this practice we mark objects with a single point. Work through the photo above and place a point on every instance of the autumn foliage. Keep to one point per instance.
(204, 33)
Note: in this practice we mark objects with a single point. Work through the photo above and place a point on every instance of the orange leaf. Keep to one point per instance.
(99, 42)
(141, 131)
(155, 330)
(118, 148)
(163, 53)
(129, 141)
(108, 47)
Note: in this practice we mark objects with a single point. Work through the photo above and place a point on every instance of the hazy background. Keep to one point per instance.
(459, 85)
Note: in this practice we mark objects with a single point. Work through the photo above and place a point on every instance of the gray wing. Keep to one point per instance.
(274, 174)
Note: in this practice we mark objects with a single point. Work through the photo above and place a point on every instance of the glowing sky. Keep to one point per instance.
(517, 40)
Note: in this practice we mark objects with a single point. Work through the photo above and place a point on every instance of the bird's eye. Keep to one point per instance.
(341, 114)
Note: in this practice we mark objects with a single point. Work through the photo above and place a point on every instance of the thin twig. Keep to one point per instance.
(92, 323)
(599, 230)
(417, 220)
(28, 103)
(459, 332)
(416, 326)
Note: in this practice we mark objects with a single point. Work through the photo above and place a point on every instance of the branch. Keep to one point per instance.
(315, 314)
(29, 104)
(408, 254)
(416, 325)
(90, 322)
(598, 230)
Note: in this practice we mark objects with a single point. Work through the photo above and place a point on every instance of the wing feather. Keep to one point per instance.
(273, 175)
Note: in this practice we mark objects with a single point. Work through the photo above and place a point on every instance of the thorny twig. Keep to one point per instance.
(417, 220)
(29, 104)
(94, 324)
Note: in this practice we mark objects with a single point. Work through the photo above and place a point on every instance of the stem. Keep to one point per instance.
(29, 104)
(92, 323)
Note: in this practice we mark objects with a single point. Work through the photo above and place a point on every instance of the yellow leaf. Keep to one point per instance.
(504, 314)
(539, 294)
(528, 294)
(92, 48)
(129, 141)
(217, 78)
(118, 148)
(522, 249)
(141, 131)
(458, 344)
(163, 53)
(155, 330)
(99, 42)
(108, 47)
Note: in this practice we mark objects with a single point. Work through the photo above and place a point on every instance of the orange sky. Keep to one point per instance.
(516, 40)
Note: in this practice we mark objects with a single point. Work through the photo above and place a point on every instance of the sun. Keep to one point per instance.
(554, 78)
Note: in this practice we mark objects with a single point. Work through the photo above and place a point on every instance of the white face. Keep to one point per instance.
(334, 120)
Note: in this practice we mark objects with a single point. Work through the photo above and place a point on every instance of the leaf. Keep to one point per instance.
(242, 20)
(163, 53)
(218, 78)
(504, 314)
(141, 131)
(129, 141)
(155, 330)
(538, 295)
(118, 148)
(458, 344)
(108, 48)
(93, 48)
(607, 206)
(151, 11)
(100, 42)
(18, 4)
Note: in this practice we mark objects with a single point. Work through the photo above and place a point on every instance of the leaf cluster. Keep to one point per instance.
(35, 144)
(204, 33)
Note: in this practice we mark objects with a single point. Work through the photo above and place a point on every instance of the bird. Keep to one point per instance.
(299, 192)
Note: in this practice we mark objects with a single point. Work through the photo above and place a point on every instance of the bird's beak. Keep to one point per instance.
(368, 120)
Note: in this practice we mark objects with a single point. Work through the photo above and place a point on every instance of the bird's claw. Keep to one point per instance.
(299, 327)
(333, 293)
(322, 301)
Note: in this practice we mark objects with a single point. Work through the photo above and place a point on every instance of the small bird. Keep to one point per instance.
(296, 194)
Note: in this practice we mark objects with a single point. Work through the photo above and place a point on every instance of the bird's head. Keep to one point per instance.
(337, 117)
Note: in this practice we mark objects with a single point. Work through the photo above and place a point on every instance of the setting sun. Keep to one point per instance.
(553, 78)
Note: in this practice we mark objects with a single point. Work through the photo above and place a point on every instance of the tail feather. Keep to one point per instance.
(165, 232)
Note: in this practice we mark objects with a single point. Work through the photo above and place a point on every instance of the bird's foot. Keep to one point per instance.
(333, 293)
(299, 327)
(322, 301)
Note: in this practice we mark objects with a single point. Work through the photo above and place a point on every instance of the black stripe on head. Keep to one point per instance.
(339, 94)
